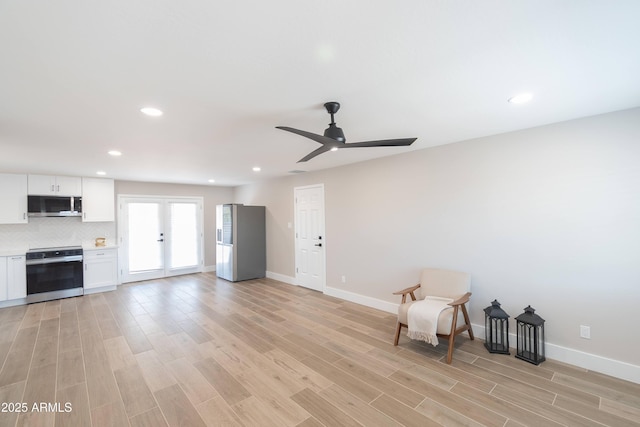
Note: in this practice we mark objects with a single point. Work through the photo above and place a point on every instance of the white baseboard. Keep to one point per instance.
(282, 278)
(209, 269)
(593, 362)
(99, 290)
(363, 300)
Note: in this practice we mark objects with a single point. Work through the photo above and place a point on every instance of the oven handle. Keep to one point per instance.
(70, 258)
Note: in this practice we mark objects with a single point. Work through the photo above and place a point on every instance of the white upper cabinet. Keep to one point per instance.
(98, 201)
(47, 185)
(13, 193)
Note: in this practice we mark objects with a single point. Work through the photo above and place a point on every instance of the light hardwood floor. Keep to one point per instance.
(199, 351)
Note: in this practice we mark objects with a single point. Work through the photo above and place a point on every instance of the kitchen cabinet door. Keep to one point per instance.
(16, 277)
(98, 203)
(100, 268)
(13, 193)
(68, 186)
(47, 185)
(3, 278)
(42, 185)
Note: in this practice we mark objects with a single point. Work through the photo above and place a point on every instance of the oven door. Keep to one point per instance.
(52, 275)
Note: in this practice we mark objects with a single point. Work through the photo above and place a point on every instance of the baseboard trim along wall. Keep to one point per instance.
(615, 368)
(593, 362)
(282, 278)
(361, 299)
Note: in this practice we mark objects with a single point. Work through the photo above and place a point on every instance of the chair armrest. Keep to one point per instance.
(462, 300)
(408, 291)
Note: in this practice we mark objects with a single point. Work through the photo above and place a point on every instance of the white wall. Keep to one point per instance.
(548, 216)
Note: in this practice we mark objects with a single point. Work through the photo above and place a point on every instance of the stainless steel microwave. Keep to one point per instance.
(54, 206)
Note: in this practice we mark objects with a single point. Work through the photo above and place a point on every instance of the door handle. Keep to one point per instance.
(318, 244)
(161, 240)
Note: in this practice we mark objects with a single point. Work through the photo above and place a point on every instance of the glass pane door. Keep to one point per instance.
(159, 237)
(184, 235)
(145, 239)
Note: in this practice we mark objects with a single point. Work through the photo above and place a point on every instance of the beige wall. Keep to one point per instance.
(211, 195)
(548, 216)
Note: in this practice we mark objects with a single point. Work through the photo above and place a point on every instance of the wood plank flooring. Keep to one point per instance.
(199, 351)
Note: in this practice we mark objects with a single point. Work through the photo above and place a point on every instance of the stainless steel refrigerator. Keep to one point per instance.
(241, 248)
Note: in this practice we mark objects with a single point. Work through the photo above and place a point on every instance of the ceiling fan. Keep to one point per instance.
(334, 139)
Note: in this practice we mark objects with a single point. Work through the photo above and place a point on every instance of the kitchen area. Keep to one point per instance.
(57, 237)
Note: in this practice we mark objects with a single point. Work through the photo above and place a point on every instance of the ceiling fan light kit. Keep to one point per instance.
(333, 137)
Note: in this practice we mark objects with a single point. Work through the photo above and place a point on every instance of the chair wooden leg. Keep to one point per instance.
(467, 321)
(452, 339)
(397, 338)
(452, 334)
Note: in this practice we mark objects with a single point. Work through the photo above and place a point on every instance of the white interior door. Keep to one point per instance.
(310, 239)
(159, 237)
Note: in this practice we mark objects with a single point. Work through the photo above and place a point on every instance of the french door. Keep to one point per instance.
(159, 237)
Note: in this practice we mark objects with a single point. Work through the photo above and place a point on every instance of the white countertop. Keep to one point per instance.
(93, 247)
(22, 250)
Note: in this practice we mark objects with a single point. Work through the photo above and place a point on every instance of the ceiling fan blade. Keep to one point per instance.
(314, 153)
(381, 143)
(317, 138)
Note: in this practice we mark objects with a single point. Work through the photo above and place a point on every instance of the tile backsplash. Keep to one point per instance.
(51, 232)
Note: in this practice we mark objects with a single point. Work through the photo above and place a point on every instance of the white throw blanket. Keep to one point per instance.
(423, 318)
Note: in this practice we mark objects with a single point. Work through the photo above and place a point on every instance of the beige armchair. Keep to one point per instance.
(444, 284)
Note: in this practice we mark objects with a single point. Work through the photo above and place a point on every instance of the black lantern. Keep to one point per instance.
(530, 334)
(496, 329)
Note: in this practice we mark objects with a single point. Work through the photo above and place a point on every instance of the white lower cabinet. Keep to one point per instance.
(13, 277)
(100, 269)
(3, 278)
(16, 277)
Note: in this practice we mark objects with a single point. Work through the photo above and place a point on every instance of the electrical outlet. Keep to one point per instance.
(585, 332)
(344, 279)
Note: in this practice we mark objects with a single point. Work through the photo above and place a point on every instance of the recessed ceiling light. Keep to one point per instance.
(521, 98)
(212, 181)
(334, 149)
(150, 111)
(256, 169)
(101, 173)
(115, 153)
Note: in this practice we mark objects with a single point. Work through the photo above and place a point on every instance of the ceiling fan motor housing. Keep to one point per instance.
(334, 132)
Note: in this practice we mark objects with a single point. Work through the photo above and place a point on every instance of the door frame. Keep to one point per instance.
(123, 253)
(324, 235)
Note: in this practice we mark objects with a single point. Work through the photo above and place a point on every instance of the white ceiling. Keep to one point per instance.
(74, 74)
